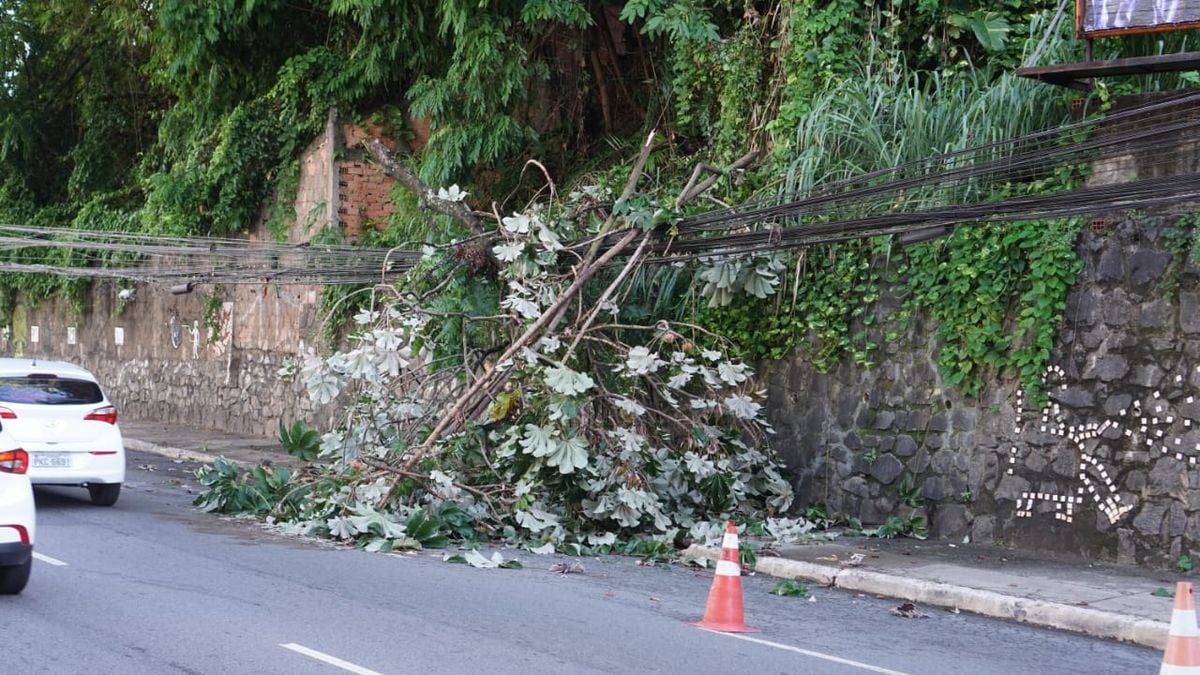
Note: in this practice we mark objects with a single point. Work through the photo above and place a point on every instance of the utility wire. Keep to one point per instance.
(1142, 157)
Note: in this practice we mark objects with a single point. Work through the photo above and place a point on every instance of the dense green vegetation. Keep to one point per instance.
(187, 117)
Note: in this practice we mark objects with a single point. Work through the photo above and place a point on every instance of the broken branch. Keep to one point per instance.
(408, 178)
(455, 411)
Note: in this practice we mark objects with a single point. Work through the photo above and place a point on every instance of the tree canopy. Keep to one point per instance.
(189, 114)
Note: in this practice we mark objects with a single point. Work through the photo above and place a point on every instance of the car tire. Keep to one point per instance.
(106, 494)
(14, 577)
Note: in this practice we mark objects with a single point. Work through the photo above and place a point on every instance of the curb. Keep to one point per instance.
(1094, 622)
(173, 453)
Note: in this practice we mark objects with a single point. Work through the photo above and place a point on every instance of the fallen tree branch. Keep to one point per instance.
(694, 189)
(408, 178)
(486, 382)
(630, 186)
(595, 311)
(610, 222)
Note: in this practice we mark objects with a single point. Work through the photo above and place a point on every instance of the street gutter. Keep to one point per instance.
(173, 453)
(1094, 622)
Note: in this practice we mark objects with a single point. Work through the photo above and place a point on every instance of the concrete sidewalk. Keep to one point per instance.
(1097, 599)
(200, 445)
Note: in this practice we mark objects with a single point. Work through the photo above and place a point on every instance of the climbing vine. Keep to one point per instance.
(824, 304)
(996, 295)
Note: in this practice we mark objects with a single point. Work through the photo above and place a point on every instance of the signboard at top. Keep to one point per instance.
(1097, 18)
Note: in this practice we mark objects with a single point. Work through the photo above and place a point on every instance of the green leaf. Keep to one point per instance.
(568, 382)
(991, 29)
(789, 588)
(571, 455)
(426, 530)
(505, 403)
(300, 441)
(478, 560)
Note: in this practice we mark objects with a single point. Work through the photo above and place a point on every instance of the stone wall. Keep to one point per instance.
(1108, 469)
(210, 358)
(156, 361)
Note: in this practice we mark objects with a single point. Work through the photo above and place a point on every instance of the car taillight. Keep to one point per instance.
(22, 532)
(6, 414)
(106, 414)
(14, 461)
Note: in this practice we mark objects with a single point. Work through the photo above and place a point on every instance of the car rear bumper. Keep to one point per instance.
(15, 554)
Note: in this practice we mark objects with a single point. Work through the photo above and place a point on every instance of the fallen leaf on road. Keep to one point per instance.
(854, 560)
(147, 467)
(478, 560)
(789, 588)
(567, 568)
(909, 611)
(828, 558)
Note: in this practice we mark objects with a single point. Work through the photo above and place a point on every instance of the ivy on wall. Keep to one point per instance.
(997, 295)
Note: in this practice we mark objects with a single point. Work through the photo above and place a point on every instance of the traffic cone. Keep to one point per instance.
(724, 611)
(1183, 644)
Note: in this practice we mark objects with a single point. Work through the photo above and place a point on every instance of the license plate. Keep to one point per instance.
(52, 459)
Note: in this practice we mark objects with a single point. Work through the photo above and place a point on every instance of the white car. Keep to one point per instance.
(57, 412)
(17, 523)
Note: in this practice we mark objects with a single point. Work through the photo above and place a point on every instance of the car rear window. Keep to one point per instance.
(48, 390)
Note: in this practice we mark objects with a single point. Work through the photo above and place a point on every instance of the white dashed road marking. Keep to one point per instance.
(808, 652)
(48, 560)
(331, 660)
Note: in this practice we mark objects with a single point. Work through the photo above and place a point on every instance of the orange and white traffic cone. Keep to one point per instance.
(724, 611)
(1183, 644)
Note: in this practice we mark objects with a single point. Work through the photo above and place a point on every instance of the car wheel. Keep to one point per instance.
(14, 577)
(105, 495)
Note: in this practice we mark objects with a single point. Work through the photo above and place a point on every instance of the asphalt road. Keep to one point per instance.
(151, 586)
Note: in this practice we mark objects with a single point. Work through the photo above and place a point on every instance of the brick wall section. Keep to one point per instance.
(364, 197)
(365, 194)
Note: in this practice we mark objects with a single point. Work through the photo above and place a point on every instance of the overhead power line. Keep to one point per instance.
(1145, 157)
(164, 259)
